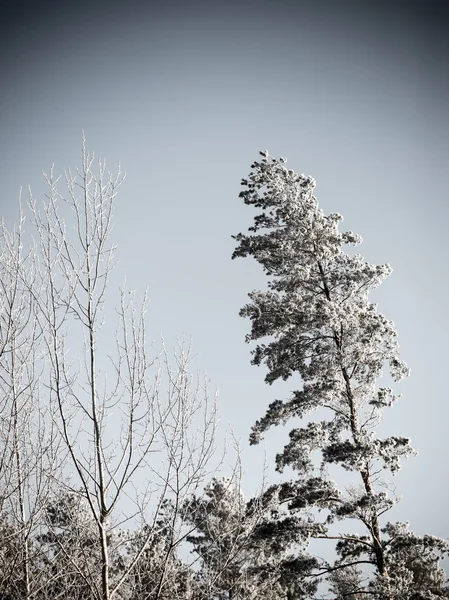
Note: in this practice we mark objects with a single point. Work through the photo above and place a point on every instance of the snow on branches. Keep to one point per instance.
(315, 320)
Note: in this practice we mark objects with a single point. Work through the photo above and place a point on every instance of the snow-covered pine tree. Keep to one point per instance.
(243, 555)
(322, 326)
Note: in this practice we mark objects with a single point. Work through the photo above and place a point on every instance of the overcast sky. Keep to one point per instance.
(184, 94)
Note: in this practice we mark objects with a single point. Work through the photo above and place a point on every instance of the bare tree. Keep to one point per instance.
(28, 446)
(136, 440)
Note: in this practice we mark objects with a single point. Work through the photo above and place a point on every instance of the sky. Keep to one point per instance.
(184, 95)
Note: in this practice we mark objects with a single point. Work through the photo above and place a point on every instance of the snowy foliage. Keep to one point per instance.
(316, 320)
(244, 546)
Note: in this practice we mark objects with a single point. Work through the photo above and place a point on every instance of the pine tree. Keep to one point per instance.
(159, 574)
(323, 327)
(243, 548)
(68, 542)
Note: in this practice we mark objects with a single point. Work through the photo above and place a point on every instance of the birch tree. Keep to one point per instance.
(316, 321)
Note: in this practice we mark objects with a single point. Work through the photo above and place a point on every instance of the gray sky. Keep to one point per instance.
(355, 94)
